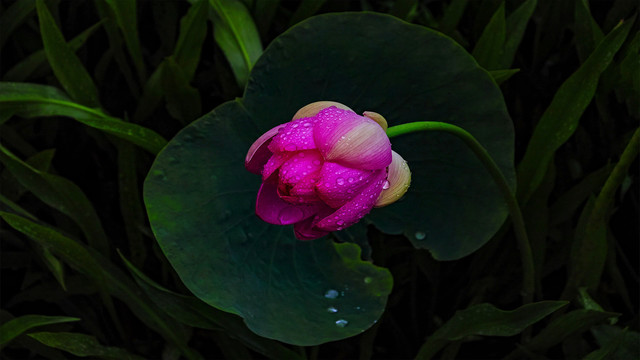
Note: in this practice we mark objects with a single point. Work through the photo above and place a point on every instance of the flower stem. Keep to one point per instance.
(501, 182)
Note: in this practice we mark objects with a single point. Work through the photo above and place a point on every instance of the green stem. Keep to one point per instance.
(498, 177)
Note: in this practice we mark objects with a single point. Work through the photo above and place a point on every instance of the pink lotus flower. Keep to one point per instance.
(326, 169)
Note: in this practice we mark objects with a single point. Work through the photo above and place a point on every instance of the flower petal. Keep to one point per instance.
(306, 230)
(351, 140)
(355, 209)
(299, 165)
(338, 185)
(399, 178)
(259, 152)
(274, 162)
(272, 209)
(314, 108)
(294, 136)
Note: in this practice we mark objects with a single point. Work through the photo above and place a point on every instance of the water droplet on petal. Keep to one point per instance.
(290, 147)
(316, 162)
(342, 322)
(332, 309)
(420, 235)
(386, 185)
(350, 179)
(331, 294)
(340, 222)
(306, 124)
(294, 126)
(340, 181)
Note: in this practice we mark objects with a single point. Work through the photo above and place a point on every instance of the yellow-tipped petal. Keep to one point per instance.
(399, 179)
(377, 118)
(314, 108)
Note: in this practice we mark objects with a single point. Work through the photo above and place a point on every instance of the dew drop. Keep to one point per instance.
(340, 222)
(306, 124)
(331, 294)
(420, 235)
(340, 181)
(290, 147)
(332, 310)
(342, 323)
(350, 180)
(294, 126)
(386, 185)
(368, 280)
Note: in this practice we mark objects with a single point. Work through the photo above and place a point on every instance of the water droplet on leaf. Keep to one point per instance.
(332, 309)
(420, 235)
(368, 280)
(342, 322)
(331, 294)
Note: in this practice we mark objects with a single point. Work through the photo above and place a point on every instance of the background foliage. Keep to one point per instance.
(91, 90)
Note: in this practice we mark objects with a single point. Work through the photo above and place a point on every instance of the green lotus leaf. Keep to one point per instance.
(201, 200)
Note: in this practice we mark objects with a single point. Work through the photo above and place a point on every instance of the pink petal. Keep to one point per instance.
(338, 184)
(299, 165)
(259, 152)
(351, 140)
(274, 163)
(356, 209)
(274, 210)
(305, 230)
(293, 136)
(398, 181)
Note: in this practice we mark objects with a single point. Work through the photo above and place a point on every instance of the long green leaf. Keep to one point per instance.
(61, 194)
(31, 63)
(568, 324)
(193, 30)
(235, 32)
(308, 8)
(501, 76)
(32, 100)
(14, 327)
(452, 15)
(566, 204)
(183, 101)
(590, 251)
(126, 13)
(107, 15)
(561, 118)
(194, 312)
(263, 13)
(487, 320)
(104, 273)
(516, 25)
(488, 49)
(176, 85)
(587, 32)
(65, 64)
(13, 16)
(82, 345)
(130, 200)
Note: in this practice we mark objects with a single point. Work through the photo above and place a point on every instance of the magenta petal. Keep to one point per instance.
(351, 140)
(274, 162)
(355, 209)
(304, 230)
(299, 166)
(259, 152)
(272, 209)
(294, 136)
(338, 184)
